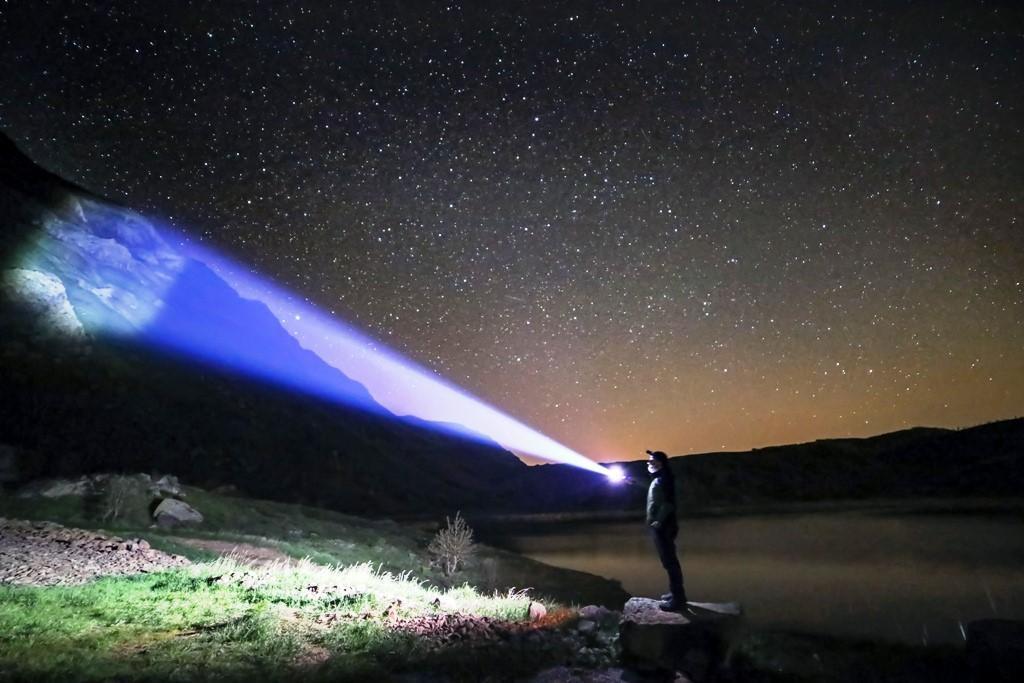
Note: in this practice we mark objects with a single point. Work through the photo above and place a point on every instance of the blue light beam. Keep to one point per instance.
(100, 269)
(395, 382)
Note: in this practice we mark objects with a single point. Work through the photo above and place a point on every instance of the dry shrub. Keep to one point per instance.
(453, 544)
(124, 498)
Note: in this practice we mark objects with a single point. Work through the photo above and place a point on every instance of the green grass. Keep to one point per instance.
(222, 620)
(326, 537)
(218, 619)
(296, 530)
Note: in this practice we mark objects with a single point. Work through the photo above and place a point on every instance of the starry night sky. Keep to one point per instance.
(685, 226)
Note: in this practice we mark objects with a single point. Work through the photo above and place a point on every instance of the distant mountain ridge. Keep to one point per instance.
(982, 461)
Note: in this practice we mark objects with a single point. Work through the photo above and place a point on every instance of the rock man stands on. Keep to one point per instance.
(661, 518)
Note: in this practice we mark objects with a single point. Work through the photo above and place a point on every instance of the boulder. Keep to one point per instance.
(995, 650)
(172, 513)
(44, 296)
(167, 485)
(695, 641)
(57, 488)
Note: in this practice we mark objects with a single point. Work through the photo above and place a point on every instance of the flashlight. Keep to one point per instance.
(615, 474)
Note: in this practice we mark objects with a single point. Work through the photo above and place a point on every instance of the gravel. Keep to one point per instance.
(48, 554)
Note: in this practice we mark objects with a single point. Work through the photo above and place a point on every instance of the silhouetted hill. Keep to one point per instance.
(986, 461)
(91, 291)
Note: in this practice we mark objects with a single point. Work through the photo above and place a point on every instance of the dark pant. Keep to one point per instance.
(665, 542)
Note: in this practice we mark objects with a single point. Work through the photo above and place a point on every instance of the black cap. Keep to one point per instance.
(658, 455)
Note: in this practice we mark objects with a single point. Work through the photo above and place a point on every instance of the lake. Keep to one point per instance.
(902, 576)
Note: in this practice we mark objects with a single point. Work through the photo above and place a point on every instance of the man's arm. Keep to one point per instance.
(667, 510)
(662, 508)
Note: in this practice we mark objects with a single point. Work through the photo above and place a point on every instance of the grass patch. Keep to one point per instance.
(329, 538)
(223, 620)
(333, 612)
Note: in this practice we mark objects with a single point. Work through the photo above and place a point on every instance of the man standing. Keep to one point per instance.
(661, 518)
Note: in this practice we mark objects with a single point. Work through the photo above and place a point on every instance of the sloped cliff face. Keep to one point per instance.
(78, 272)
(44, 297)
(113, 263)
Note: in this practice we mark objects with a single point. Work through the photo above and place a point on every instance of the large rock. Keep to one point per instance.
(995, 650)
(167, 485)
(58, 488)
(43, 294)
(695, 641)
(172, 513)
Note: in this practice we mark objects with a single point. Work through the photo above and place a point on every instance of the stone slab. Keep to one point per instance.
(695, 640)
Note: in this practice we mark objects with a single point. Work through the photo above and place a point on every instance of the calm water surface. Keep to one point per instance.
(914, 578)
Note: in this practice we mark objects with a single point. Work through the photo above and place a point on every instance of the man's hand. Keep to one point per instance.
(655, 525)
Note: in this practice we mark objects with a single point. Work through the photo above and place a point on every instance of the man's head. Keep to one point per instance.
(656, 460)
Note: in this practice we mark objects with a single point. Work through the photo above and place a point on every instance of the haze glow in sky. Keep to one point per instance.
(680, 226)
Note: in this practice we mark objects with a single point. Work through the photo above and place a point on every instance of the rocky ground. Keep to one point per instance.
(47, 554)
(556, 636)
(552, 632)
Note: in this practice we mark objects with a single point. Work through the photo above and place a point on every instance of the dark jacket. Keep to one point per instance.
(661, 497)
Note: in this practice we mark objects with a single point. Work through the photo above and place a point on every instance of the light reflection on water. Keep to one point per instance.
(915, 578)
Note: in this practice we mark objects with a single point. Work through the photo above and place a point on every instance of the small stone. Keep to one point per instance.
(537, 611)
(586, 626)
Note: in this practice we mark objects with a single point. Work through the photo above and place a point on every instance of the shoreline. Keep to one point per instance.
(926, 506)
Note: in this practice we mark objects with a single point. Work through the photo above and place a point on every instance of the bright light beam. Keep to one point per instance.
(397, 383)
(103, 269)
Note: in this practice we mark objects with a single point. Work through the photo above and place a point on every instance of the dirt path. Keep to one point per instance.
(48, 554)
(258, 556)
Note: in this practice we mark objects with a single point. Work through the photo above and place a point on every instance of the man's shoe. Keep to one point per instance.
(673, 606)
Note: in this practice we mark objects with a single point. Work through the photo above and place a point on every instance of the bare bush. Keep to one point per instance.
(453, 544)
(118, 491)
(124, 498)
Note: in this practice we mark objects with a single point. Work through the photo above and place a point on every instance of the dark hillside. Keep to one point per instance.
(124, 409)
(982, 461)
